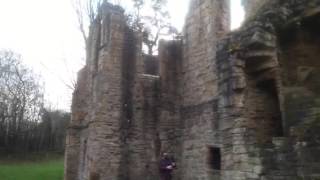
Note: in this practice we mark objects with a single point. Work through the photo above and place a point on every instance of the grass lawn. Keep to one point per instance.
(44, 170)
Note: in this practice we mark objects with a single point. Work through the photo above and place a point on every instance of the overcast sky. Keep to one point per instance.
(45, 33)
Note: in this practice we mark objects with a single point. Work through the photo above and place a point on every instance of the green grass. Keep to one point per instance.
(43, 170)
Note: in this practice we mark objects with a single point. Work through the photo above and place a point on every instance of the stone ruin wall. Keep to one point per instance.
(249, 97)
(260, 73)
(252, 6)
(206, 22)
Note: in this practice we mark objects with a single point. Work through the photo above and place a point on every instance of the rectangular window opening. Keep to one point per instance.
(214, 158)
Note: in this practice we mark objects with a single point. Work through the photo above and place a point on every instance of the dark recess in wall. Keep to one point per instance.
(214, 158)
(268, 87)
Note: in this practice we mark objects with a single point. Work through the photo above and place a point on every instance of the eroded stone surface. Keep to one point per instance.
(249, 97)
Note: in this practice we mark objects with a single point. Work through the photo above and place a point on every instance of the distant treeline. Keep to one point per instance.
(25, 125)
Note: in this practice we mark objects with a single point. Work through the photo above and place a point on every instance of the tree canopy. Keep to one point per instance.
(25, 125)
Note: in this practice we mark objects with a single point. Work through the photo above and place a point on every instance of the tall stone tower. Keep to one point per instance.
(206, 22)
(97, 137)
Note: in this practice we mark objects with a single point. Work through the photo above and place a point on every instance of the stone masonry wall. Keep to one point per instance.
(232, 106)
(252, 6)
(206, 22)
(114, 133)
(169, 124)
(77, 126)
(111, 65)
(254, 75)
(298, 56)
(105, 139)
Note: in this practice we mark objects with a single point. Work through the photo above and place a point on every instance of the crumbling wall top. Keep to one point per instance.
(108, 7)
(252, 6)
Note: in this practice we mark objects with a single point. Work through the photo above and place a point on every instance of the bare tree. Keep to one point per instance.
(22, 114)
(153, 26)
(70, 81)
(52, 130)
(87, 12)
(21, 100)
(135, 18)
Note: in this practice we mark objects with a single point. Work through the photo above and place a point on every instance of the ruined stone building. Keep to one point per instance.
(229, 105)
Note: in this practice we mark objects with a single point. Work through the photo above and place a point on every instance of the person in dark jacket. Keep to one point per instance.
(166, 167)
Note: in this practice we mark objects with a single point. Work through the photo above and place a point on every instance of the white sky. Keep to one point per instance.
(45, 33)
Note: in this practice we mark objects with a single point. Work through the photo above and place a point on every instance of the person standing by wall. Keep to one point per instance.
(167, 165)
